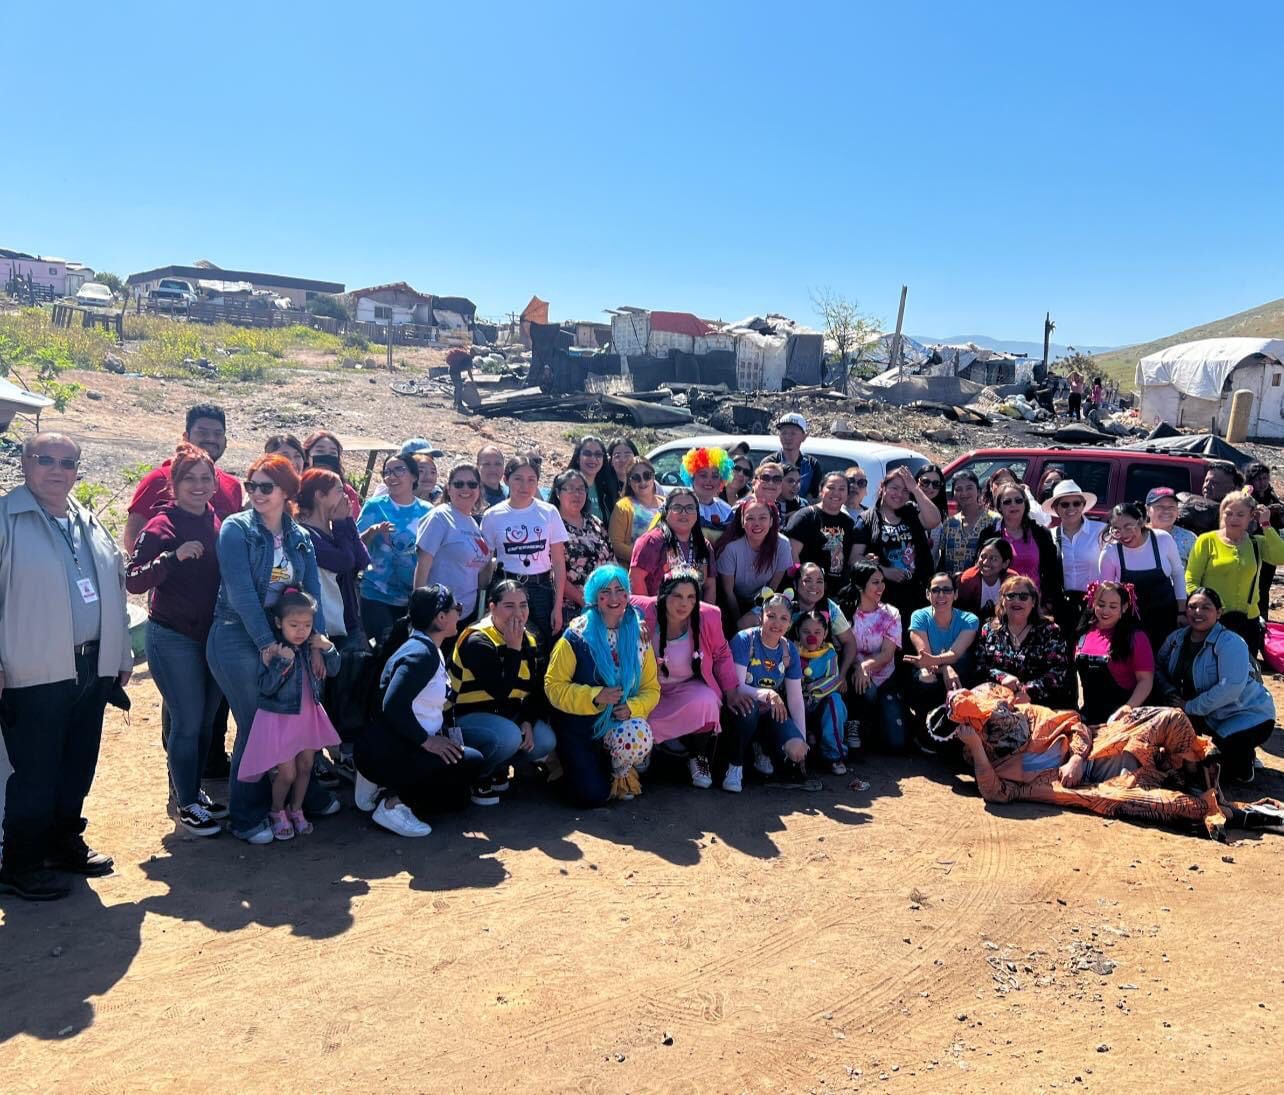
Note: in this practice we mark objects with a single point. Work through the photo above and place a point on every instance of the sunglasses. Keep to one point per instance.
(940, 591)
(1069, 503)
(465, 484)
(858, 482)
(771, 479)
(254, 486)
(596, 454)
(929, 483)
(69, 463)
(1012, 502)
(1019, 595)
(641, 477)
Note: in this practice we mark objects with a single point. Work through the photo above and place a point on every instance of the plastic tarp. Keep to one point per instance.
(1193, 444)
(1201, 369)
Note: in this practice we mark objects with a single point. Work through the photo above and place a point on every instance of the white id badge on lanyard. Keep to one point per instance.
(88, 593)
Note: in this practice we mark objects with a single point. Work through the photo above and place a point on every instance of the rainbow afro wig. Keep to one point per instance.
(695, 460)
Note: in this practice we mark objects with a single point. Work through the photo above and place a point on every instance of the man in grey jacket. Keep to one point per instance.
(64, 648)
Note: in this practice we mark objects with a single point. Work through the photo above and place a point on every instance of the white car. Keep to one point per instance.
(833, 453)
(94, 294)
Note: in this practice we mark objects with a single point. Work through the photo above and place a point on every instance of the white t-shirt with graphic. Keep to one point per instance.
(521, 538)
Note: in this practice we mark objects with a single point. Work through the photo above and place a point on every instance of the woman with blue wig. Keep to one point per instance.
(602, 684)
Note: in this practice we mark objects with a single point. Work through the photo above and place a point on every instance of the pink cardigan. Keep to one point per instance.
(716, 666)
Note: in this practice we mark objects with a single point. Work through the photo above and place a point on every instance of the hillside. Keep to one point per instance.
(1264, 321)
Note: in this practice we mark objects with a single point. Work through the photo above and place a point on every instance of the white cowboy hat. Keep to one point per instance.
(1068, 488)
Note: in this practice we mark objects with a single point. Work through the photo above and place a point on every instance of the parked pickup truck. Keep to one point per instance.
(173, 294)
(1113, 475)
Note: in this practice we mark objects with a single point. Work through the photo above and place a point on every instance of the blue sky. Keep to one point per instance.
(1117, 164)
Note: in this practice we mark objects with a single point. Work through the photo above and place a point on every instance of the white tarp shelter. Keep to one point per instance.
(1190, 384)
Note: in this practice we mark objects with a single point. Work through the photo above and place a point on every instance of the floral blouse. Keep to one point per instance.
(1040, 663)
(587, 548)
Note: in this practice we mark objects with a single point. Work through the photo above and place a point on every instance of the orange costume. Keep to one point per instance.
(1022, 752)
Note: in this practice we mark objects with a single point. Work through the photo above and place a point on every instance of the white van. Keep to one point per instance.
(833, 453)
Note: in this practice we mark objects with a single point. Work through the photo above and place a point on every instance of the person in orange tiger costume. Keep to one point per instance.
(1150, 765)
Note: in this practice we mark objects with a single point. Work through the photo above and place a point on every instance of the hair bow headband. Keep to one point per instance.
(1091, 593)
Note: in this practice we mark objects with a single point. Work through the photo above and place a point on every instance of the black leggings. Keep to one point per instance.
(1238, 750)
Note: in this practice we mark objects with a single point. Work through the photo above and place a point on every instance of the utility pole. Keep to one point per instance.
(1048, 328)
(894, 360)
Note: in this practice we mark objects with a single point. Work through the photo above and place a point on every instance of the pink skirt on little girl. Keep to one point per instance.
(275, 738)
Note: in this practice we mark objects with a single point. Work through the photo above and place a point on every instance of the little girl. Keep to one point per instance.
(291, 724)
(1113, 658)
(826, 711)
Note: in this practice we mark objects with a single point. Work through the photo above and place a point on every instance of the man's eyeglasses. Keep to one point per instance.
(255, 486)
(68, 463)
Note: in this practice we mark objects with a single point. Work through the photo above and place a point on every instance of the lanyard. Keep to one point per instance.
(67, 537)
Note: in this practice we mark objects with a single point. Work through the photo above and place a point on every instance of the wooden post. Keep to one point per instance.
(894, 359)
(1048, 328)
(391, 329)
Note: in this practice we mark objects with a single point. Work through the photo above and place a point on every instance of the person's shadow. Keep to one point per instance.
(53, 958)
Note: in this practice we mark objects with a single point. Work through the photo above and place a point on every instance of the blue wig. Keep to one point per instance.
(627, 675)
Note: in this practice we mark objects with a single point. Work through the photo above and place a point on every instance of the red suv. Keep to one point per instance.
(1113, 475)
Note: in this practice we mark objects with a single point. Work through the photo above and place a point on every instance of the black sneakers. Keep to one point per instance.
(77, 857)
(33, 885)
(196, 820)
(484, 793)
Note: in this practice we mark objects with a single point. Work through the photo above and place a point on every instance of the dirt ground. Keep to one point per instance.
(906, 938)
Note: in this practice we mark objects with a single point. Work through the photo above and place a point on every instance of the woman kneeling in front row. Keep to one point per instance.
(602, 685)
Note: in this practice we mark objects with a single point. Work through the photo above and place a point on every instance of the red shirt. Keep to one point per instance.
(153, 492)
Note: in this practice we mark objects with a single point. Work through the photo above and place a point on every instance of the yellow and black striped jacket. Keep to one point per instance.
(486, 676)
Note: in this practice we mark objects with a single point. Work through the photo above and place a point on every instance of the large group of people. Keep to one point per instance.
(469, 626)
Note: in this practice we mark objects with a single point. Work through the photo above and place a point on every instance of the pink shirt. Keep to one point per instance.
(1096, 643)
(1025, 557)
(871, 628)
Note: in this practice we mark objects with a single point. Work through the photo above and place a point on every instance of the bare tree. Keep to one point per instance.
(850, 331)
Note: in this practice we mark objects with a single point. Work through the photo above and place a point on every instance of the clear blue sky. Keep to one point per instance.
(1119, 164)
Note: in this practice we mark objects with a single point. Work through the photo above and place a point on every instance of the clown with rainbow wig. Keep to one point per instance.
(602, 683)
(707, 471)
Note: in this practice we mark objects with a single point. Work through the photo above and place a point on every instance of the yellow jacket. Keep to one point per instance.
(572, 682)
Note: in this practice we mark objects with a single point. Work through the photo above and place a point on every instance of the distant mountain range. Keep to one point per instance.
(1012, 346)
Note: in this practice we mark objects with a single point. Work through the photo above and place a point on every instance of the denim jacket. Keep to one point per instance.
(1229, 694)
(281, 682)
(245, 551)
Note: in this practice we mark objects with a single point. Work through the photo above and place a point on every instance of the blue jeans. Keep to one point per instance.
(740, 731)
(192, 699)
(881, 710)
(234, 660)
(499, 740)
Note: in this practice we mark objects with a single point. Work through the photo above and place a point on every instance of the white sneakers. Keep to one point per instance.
(733, 781)
(762, 762)
(399, 819)
(365, 793)
(701, 776)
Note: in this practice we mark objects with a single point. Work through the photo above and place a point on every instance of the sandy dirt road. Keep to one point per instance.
(907, 938)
